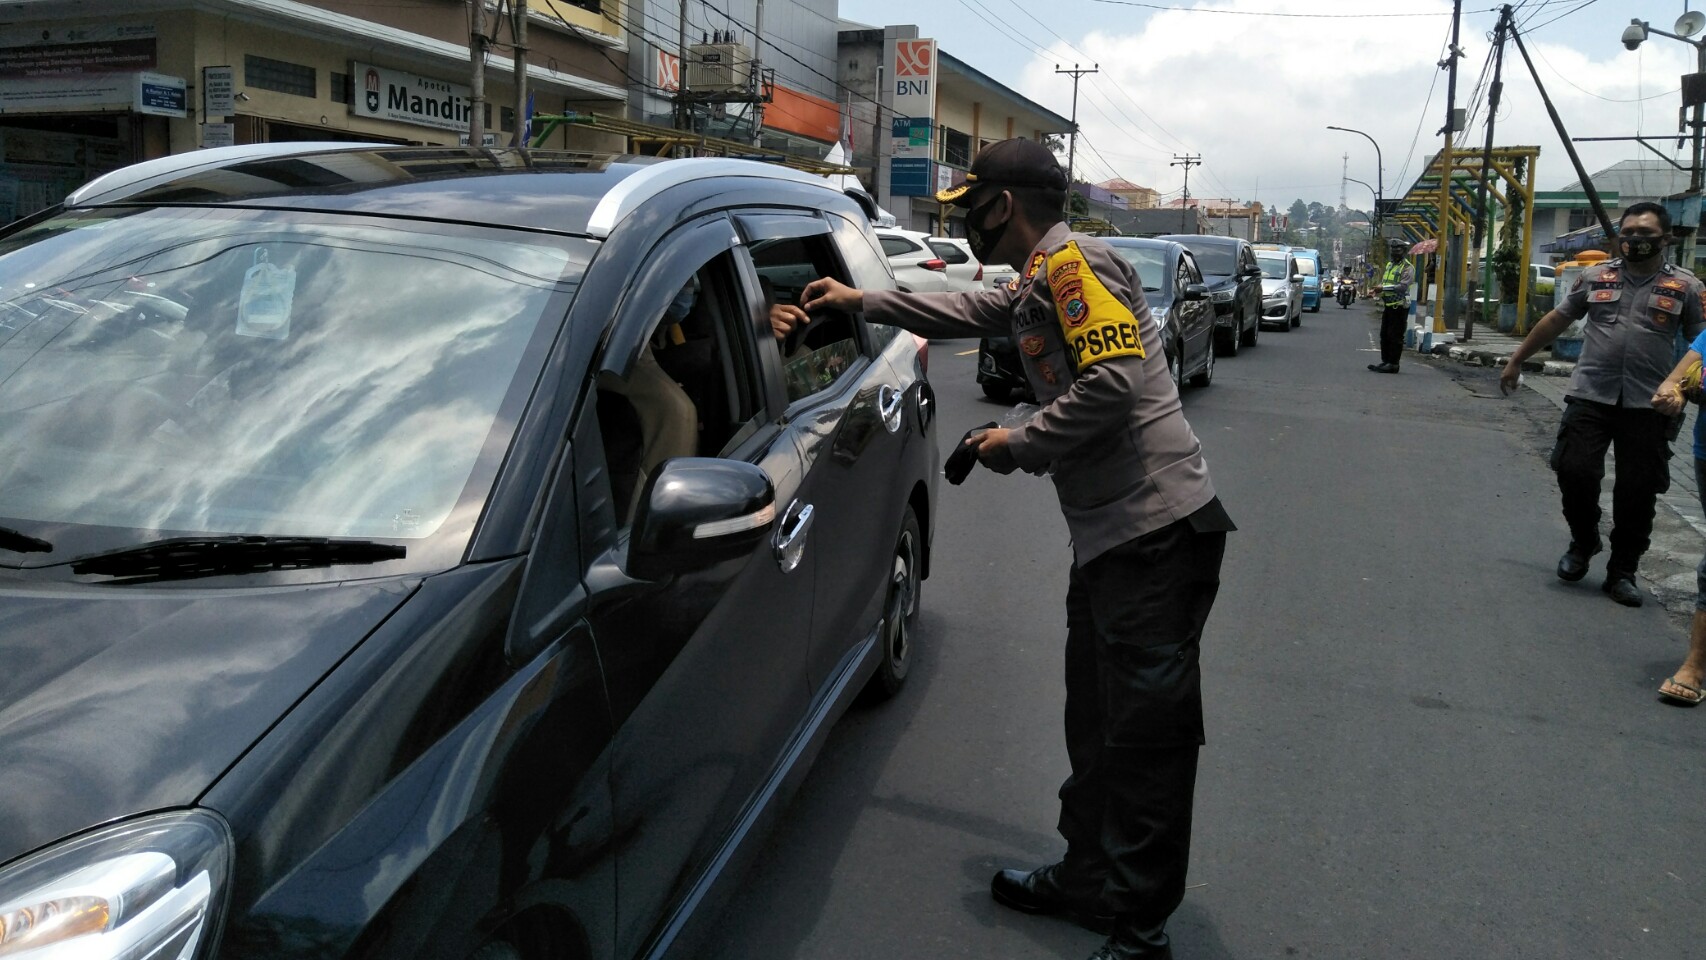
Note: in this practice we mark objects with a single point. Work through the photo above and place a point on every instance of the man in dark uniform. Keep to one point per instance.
(1147, 532)
(1394, 307)
(1641, 313)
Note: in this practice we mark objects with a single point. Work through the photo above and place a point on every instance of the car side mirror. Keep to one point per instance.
(697, 512)
(1196, 291)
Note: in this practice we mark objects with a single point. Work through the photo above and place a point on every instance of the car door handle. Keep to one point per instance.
(889, 402)
(790, 540)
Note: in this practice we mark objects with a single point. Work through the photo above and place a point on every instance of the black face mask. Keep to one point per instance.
(1641, 248)
(983, 241)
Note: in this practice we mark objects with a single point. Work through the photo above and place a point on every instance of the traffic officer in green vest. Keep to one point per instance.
(1641, 314)
(1148, 534)
(1394, 307)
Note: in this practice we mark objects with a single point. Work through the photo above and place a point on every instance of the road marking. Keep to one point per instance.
(965, 353)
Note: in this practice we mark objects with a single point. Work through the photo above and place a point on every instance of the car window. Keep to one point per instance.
(1274, 267)
(1215, 259)
(867, 269)
(694, 390)
(817, 355)
(1306, 266)
(897, 246)
(949, 251)
(1149, 262)
(242, 373)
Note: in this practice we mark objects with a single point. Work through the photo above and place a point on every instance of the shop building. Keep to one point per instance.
(917, 115)
(762, 74)
(88, 86)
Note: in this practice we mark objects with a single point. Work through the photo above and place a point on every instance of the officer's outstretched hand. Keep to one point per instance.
(1510, 377)
(828, 293)
(993, 451)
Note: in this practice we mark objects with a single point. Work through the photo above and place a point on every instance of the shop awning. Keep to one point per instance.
(1585, 238)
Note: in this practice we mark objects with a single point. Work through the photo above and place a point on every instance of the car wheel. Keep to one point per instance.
(900, 611)
(1249, 336)
(1316, 308)
(1176, 366)
(1206, 376)
(1229, 343)
(1297, 318)
(994, 391)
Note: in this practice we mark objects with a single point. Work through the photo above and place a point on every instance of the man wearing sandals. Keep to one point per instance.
(1685, 686)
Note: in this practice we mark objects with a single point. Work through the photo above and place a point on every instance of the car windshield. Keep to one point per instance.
(1151, 264)
(1306, 267)
(1272, 267)
(217, 372)
(1216, 260)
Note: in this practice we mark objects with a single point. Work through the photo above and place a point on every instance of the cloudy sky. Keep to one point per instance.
(1252, 91)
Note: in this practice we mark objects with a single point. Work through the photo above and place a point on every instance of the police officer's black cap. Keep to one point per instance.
(1004, 165)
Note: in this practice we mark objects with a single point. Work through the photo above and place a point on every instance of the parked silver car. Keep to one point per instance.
(1282, 288)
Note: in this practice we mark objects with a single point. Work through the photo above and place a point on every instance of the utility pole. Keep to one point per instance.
(1442, 254)
(1072, 146)
(1187, 161)
(518, 32)
(1483, 224)
(757, 81)
(1344, 172)
(477, 43)
(683, 109)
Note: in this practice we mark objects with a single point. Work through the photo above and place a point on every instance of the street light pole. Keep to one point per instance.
(1694, 96)
(1379, 175)
(1371, 230)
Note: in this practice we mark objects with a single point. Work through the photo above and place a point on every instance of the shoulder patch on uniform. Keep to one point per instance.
(1096, 324)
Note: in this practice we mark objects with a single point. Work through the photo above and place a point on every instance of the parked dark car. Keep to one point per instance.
(430, 552)
(1178, 298)
(1234, 282)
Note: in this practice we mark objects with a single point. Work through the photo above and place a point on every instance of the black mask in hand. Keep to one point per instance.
(959, 463)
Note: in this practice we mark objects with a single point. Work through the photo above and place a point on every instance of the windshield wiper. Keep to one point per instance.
(18, 541)
(210, 556)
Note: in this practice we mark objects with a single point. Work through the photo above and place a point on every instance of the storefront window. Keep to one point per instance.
(282, 76)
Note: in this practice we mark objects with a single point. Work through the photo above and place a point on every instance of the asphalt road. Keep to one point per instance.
(1421, 744)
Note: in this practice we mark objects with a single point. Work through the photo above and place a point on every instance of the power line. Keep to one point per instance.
(1527, 29)
(1273, 13)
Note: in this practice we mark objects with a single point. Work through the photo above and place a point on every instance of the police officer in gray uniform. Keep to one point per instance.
(1148, 534)
(1641, 315)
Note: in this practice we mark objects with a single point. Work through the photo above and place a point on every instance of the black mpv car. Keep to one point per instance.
(1234, 282)
(416, 552)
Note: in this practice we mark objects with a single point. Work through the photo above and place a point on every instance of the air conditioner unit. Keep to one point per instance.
(719, 68)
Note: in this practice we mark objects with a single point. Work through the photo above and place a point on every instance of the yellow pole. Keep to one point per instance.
(1524, 241)
(1443, 235)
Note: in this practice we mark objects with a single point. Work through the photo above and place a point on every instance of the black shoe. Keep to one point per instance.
(1621, 587)
(1573, 565)
(1040, 891)
(1383, 367)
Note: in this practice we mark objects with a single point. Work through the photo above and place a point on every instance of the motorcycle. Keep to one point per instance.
(1346, 292)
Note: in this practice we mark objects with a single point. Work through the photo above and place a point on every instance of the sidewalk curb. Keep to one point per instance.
(1487, 357)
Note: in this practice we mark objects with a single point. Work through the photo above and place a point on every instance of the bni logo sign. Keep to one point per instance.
(914, 58)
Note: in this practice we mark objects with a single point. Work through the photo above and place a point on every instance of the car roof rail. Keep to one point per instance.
(110, 185)
(627, 196)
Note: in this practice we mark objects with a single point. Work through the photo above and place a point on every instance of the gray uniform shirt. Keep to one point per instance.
(1637, 327)
(1124, 460)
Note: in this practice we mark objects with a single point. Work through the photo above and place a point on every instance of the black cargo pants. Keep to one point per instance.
(1639, 437)
(1134, 722)
(1392, 323)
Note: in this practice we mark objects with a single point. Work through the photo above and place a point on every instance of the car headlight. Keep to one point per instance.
(1221, 296)
(152, 887)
